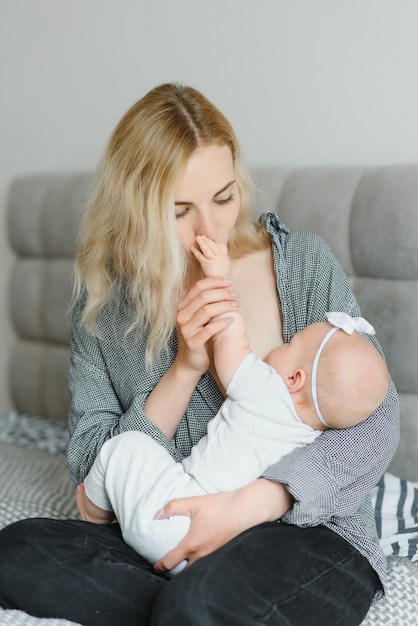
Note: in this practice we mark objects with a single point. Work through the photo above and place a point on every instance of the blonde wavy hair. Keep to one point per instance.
(127, 245)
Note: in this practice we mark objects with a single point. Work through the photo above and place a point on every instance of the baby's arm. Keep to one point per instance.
(230, 345)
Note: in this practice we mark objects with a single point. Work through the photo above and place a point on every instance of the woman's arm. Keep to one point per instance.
(104, 403)
(110, 384)
(218, 518)
(207, 299)
(333, 475)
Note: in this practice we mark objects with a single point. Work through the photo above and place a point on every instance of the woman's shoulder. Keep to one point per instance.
(290, 244)
(279, 230)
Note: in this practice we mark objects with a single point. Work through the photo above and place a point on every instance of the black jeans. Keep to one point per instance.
(273, 574)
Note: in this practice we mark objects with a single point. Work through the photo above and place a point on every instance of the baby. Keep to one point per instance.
(327, 376)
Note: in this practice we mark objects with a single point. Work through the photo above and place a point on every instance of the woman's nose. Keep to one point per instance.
(207, 226)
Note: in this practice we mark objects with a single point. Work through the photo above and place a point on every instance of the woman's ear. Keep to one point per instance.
(296, 380)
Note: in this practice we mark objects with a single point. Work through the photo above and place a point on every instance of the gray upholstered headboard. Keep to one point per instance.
(43, 219)
(369, 216)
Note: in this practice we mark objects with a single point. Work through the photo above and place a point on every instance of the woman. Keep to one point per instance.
(141, 360)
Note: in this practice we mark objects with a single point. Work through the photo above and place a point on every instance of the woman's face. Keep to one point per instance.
(207, 199)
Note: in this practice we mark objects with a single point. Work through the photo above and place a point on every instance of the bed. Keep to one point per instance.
(369, 216)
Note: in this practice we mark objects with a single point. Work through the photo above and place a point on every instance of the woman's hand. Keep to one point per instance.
(218, 518)
(89, 512)
(168, 401)
(80, 497)
(206, 300)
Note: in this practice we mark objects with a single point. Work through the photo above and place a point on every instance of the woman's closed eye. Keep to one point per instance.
(227, 200)
(182, 213)
(220, 202)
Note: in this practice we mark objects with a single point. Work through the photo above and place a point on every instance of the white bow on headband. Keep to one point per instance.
(348, 324)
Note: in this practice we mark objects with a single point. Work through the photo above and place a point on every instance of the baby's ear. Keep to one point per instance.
(295, 381)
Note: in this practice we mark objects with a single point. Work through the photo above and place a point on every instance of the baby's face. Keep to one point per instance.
(299, 352)
(283, 358)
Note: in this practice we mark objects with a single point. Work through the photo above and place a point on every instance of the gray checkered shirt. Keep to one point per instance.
(329, 479)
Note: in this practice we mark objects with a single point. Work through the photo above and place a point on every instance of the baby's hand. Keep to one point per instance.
(212, 256)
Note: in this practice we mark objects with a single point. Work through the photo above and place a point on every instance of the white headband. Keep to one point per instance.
(348, 324)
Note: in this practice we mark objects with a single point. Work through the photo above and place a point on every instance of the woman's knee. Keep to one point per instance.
(207, 592)
(16, 558)
(14, 538)
(181, 601)
(259, 579)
